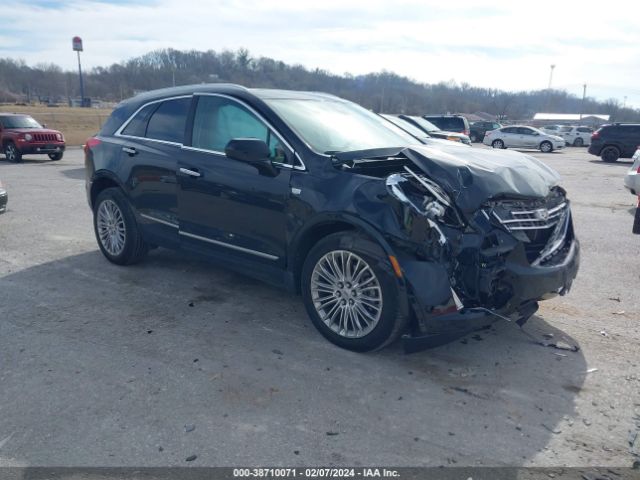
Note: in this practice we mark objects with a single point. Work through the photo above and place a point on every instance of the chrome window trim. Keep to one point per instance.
(229, 245)
(119, 133)
(302, 166)
(155, 219)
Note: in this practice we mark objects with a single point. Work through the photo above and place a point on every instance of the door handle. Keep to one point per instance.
(191, 173)
(130, 150)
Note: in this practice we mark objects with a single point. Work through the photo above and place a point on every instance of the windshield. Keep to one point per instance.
(406, 126)
(19, 121)
(330, 126)
(425, 124)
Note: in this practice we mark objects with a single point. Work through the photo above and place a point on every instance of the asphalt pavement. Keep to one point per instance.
(151, 364)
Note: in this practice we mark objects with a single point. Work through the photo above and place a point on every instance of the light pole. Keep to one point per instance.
(551, 76)
(584, 96)
(77, 47)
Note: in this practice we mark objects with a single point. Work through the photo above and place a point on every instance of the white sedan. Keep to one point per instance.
(521, 136)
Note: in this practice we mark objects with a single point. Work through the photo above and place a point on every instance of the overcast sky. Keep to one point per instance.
(499, 44)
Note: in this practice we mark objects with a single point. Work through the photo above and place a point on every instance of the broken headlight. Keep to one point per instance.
(423, 195)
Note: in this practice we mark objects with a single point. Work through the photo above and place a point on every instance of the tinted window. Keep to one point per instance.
(525, 131)
(495, 125)
(584, 129)
(450, 124)
(168, 121)
(218, 120)
(137, 127)
(509, 130)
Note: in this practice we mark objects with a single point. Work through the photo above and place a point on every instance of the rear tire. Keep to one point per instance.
(578, 142)
(12, 153)
(610, 154)
(116, 229)
(56, 156)
(351, 296)
(498, 144)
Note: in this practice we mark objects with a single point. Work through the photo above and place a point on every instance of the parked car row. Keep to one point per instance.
(381, 233)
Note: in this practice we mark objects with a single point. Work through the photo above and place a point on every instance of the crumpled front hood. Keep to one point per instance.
(471, 176)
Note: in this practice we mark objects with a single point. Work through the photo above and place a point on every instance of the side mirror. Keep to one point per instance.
(252, 151)
(44, 125)
(536, 134)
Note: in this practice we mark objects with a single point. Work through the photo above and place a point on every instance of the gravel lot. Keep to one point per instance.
(147, 365)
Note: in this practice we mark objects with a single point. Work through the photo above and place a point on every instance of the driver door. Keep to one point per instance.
(226, 206)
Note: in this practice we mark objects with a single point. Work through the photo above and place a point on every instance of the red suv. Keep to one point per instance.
(21, 135)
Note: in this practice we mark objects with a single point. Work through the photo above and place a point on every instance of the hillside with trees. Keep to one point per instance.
(382, 91)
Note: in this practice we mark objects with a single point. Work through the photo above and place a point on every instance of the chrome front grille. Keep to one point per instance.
(524, 218)
(542, 224)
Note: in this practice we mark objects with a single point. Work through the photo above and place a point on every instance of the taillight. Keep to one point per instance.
(595, 135)
(466, 132)
(90, 143)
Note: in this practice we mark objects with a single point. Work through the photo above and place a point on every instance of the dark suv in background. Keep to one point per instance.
(618, 140)
(450, 123)
(381, 234)
(479, 129)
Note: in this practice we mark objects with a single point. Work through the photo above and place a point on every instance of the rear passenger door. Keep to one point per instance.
(151, 144)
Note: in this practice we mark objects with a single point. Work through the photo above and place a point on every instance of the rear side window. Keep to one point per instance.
(137, 127)
(509, 130)
(168, 122)
(584, 130)
(447, 123)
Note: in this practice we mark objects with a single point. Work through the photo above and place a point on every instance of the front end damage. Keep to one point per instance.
(481, 241)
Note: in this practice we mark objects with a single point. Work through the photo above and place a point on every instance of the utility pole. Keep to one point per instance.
(584, 96)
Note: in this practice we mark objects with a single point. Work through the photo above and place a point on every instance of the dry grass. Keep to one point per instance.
(76, 124)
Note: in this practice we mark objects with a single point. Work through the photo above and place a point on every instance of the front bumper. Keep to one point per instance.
(41, 148)
(489, 282)
(3, 200)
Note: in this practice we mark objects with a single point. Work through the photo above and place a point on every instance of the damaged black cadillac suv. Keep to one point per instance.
(381, 235)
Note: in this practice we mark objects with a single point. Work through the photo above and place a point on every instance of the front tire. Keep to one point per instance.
(474, 138)
(56, 156)
(116, 228)
(578, 142)
(351, 297)
(546, 147)
(12, 153)
(497, 144)
(610, 154)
